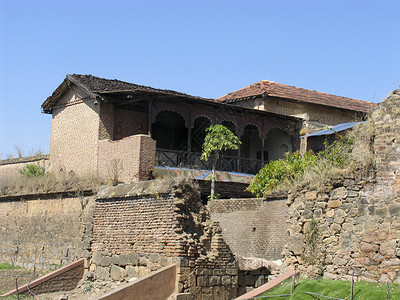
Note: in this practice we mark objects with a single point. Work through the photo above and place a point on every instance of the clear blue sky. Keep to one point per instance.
(204, 48)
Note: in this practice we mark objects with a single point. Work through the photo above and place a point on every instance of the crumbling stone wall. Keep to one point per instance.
(45, 231)
(351, 223)
(141, 227)
(254, 227)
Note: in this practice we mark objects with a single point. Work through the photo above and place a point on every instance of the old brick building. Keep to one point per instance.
(98, 123)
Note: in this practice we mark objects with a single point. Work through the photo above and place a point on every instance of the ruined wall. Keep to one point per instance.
(126, 160)
(351, 223)
(44, 232)
(141, 227)
(253, 227)
(75, 133)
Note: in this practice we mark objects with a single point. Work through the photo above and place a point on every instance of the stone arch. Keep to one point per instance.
(200, 124)
(169, 131)
(278, 142)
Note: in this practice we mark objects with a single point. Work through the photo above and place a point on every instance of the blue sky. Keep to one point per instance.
(204, 48)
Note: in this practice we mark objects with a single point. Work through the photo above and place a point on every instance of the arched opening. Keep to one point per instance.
(251, 142)
(277, 144)
(199, 133)
(170, 131)
(250, 150)
(231, 127)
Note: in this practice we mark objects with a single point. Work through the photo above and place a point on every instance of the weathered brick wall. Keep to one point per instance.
(252, 227)
(129, 159)
(75, 133)
(312, 113)
(129, 123)
(9, 168)
(44, 232)
(351, 224)
(141, 227)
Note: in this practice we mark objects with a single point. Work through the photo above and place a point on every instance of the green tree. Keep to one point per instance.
(218, 139)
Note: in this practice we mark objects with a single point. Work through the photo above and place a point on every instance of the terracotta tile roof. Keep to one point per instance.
(270, 88)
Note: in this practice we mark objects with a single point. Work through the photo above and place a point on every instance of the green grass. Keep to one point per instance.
(7, 266)
(334, 288)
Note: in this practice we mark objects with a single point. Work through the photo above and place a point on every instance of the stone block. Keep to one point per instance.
(368, 248)
(214, 280)
(134, 259)
(131, 271)
(102, 273)
(97, 257)
(226, 280)
(105, 261)
(388, 249)
(154, 257)
(117, 273)
(202, 280)
(334, 203)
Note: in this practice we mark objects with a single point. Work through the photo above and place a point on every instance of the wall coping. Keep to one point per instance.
(27, 159)
(43, 196)
(46, 277)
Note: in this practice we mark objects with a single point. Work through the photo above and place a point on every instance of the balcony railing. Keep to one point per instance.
(174, 158)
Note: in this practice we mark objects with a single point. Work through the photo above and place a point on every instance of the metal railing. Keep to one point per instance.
(175, 158)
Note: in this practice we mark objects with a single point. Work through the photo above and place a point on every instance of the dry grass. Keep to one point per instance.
(49, 183)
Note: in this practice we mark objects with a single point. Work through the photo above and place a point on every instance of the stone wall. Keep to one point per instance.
(44, 232)
(253, 227)
(351, 223)
(141, 227)
(126, 160)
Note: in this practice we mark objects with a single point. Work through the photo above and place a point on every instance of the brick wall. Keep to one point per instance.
(75, 133)
(355, 215)
(252, 227)
(44, 232)
(129, 123)
(129, 159)
(141, 227)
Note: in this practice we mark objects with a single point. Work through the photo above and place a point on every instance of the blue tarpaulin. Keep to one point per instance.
(333, 129)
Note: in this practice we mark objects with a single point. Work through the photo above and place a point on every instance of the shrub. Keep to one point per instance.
(33, 170)
(288, 171)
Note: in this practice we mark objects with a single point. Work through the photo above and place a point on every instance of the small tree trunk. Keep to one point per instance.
(214, 165)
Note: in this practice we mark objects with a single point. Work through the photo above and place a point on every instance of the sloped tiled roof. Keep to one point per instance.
(100, 86)
(273, 89)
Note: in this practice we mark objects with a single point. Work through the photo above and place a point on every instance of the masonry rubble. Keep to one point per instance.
(351, 223)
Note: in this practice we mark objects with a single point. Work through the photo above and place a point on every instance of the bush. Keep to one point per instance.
(33, 170)
(292, 169)
(280, 172)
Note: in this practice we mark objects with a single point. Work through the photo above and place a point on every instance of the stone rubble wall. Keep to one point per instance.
(45, 232)
(352, 223)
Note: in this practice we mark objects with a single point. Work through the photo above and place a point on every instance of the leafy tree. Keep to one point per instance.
(218, 139)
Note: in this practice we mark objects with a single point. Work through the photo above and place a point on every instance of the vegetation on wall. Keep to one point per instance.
(294, 168)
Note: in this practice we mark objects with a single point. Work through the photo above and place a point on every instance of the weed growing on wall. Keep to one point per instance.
(33, 170)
